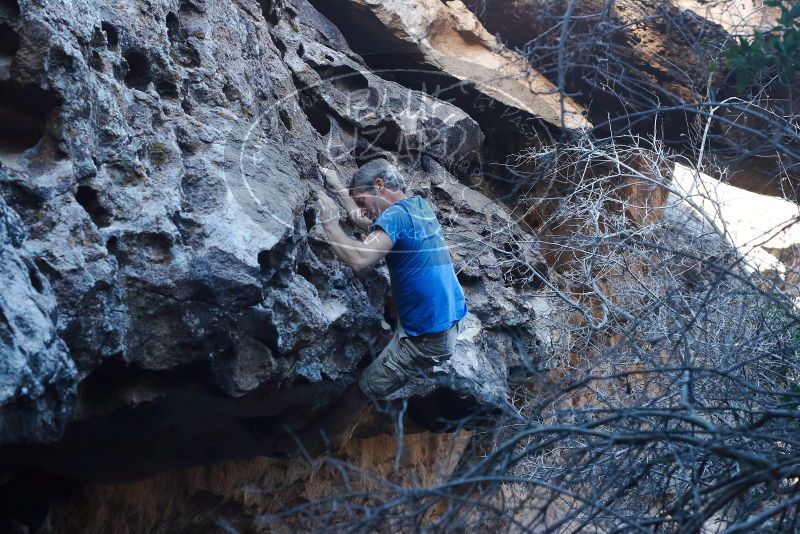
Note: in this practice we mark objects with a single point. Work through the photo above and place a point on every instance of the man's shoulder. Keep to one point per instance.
(414, 205)
(392, 220)
(403, 211)
(399, 209)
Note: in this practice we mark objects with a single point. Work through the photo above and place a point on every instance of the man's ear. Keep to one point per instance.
(379, 185)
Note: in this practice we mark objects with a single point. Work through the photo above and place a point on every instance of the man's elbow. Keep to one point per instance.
(360, 266)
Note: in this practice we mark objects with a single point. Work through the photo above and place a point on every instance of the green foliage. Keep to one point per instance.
(775, 51)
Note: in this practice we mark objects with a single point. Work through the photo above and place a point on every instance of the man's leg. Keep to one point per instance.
(334, 426)
(339, 419)
(399, 361)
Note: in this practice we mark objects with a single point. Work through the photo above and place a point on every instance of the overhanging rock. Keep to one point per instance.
(447, 37)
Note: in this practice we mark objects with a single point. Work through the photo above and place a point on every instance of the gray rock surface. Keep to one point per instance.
(37, 376)
(167, 187)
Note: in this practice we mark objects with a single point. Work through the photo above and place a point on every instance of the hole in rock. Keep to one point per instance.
(387, 135)
(285, 118)
(269, 336)
(305, 271)
(36, 282)
(189, 55)
(173, 27)
(264, 261)
(9, 41)
(518, 272)
(167, 88)
(468, 279)
(89, 201)
(25, 199)
(98, 37)
(138, 75)
(23, 115)
(188, 7)
(96, 61)
(441, 410)
(318, 118)
(268, 11)
(344, 78)
(230, 91)
(9, 9)
(310, 217)
(112, 35)
(49, 271)
(186, 105)
(279, 45)
(59, 59)
(301, 51)
(389, 314)
(112, 245)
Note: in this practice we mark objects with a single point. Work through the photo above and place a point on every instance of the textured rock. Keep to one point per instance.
(240, 496)
(647, 66)
(165, 277)
(448, 38)
(645, 52)
(37, 377)
(736, 17)
(167, 190)
(361, 115)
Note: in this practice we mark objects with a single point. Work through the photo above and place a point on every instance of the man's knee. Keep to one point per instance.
(378, 380)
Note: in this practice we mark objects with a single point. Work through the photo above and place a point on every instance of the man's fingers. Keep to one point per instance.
(327, 209)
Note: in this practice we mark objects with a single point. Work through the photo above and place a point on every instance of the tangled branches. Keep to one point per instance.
(667, 397)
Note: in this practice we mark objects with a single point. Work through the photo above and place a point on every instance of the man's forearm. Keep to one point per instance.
(352, 209)
(346, 248)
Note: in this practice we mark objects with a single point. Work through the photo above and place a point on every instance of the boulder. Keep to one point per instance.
(167, 191)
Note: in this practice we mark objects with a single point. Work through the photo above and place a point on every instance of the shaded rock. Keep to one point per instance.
(37, 376)
(624, 57)
(658, 66)
(446, 37)
(169, 200)
(373, 115)
(243, 495)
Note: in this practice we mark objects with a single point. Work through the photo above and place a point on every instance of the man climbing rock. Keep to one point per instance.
(428, 297)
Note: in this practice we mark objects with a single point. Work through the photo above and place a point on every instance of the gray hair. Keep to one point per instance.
(366, 175)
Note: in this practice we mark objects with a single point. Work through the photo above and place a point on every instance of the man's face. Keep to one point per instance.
(370, 203)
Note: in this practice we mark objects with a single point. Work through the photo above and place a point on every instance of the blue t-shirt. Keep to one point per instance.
(426, 291)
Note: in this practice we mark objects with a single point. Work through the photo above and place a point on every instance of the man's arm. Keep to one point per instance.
(353, 211)
(359, 255)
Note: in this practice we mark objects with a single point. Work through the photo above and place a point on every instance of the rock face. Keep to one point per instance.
(37, 376)
(657, 66)
(166, 279)
(762, 228)
(239, 496)
(648, 53)
(447, 37)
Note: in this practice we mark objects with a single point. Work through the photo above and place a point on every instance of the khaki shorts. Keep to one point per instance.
(404, 358)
